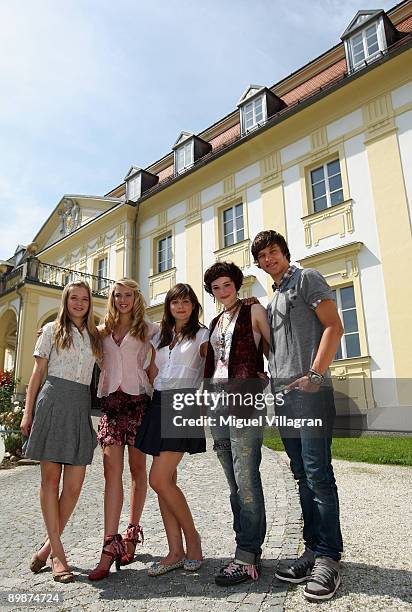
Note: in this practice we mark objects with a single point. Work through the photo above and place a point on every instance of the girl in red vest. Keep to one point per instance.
(238, 336)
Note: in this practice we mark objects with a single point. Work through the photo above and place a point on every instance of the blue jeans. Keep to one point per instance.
(309, 451)
(240, 452)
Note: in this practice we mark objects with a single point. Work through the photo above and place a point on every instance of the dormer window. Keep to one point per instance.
(256, 106)
(365, 44)
(188, 148)
(133, 188)
(184, 156)
(137, 182)
(254, 113)
(368, 36)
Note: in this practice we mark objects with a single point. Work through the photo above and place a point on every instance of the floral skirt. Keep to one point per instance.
(122, 416)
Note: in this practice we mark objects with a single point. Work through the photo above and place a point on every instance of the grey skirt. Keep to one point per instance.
(62, 430)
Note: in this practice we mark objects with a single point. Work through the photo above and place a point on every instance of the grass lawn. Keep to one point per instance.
(369, 449)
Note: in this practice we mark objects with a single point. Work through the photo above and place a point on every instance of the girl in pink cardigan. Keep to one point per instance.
(124, 389)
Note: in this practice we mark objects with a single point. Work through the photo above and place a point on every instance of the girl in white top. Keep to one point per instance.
(61, 433)
(180, 352)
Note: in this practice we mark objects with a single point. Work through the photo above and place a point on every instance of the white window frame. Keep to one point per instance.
(168, 262)
(343, 348)
(187, 148)
(134, 187)
(253, 102)
(382, 46)
(326, 180)
(101, 277)
(236, 229)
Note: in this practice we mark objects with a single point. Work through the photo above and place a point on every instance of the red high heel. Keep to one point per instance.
(114, 548)
(134, 535)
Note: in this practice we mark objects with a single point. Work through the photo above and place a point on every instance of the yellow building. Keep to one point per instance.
(324, 157)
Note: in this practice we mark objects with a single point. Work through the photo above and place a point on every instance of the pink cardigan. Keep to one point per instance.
(123, 365)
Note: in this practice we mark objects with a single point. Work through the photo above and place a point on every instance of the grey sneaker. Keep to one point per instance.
(324, 580)
(299, 570)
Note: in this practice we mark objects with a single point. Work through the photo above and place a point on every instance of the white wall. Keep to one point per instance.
(143, 265)
(180, 252)
(208, 246)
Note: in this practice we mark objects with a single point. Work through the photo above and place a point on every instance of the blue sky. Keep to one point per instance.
(90, 87)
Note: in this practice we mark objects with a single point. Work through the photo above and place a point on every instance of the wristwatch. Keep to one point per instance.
(315, 378)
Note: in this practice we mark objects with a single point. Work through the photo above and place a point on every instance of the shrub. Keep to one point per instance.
(11, 413)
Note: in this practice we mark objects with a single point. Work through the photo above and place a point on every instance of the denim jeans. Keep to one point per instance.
(239, 451)
(309, 451)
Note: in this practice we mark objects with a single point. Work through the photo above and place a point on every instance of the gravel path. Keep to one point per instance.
(376, 516)
(376, 523)
(203, 481)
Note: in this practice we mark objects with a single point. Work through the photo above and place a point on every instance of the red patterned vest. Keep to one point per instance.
(245, 360)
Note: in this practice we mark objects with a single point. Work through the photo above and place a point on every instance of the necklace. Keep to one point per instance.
(223, 329)
(177, 337)
(233, 306)
(118, 340)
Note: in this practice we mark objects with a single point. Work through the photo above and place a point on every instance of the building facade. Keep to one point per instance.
(324, 157)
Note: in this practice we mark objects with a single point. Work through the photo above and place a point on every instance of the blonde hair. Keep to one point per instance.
(63, 326)
(111, 318)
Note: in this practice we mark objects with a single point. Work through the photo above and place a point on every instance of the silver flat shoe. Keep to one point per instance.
(192, 565)
(158, 568)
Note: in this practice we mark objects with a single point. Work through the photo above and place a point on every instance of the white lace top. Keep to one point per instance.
(74, 363)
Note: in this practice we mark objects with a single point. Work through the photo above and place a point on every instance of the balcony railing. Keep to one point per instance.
(35, 272)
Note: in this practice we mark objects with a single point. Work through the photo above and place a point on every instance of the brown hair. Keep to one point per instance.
(179, 291)
(267, 238)
(223, 268)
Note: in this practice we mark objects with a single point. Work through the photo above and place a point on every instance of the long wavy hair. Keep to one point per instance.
(63, 327)
(111, 317)
(179, 291)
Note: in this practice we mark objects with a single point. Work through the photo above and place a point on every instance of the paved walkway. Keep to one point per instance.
(376, 522)
(203, 481)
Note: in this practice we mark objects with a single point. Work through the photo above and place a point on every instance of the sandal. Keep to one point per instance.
(36, 564)
(113, 547)
(134, 536)
(65, 576)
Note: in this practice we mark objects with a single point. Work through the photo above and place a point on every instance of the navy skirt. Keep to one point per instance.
(149, 435)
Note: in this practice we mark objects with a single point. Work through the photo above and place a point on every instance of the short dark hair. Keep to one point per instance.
(267, 238)
(223, 268)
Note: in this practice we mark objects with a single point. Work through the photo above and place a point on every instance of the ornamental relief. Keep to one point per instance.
(70, 215)
(335, 220)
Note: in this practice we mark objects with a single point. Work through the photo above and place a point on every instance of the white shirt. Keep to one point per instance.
(182, 367)
(74, 363)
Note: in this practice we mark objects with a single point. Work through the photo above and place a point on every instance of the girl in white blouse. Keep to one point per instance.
(180, 351)
(60, 433)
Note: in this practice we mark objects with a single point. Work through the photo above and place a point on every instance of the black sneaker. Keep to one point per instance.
(324, 580)
(235, 573)
(299, 570)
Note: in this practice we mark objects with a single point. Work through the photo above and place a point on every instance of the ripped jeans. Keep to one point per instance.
(239, 452)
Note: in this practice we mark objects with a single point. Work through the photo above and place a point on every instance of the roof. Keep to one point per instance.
(321, 72)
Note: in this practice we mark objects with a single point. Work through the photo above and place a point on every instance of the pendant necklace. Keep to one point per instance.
(222, 335)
